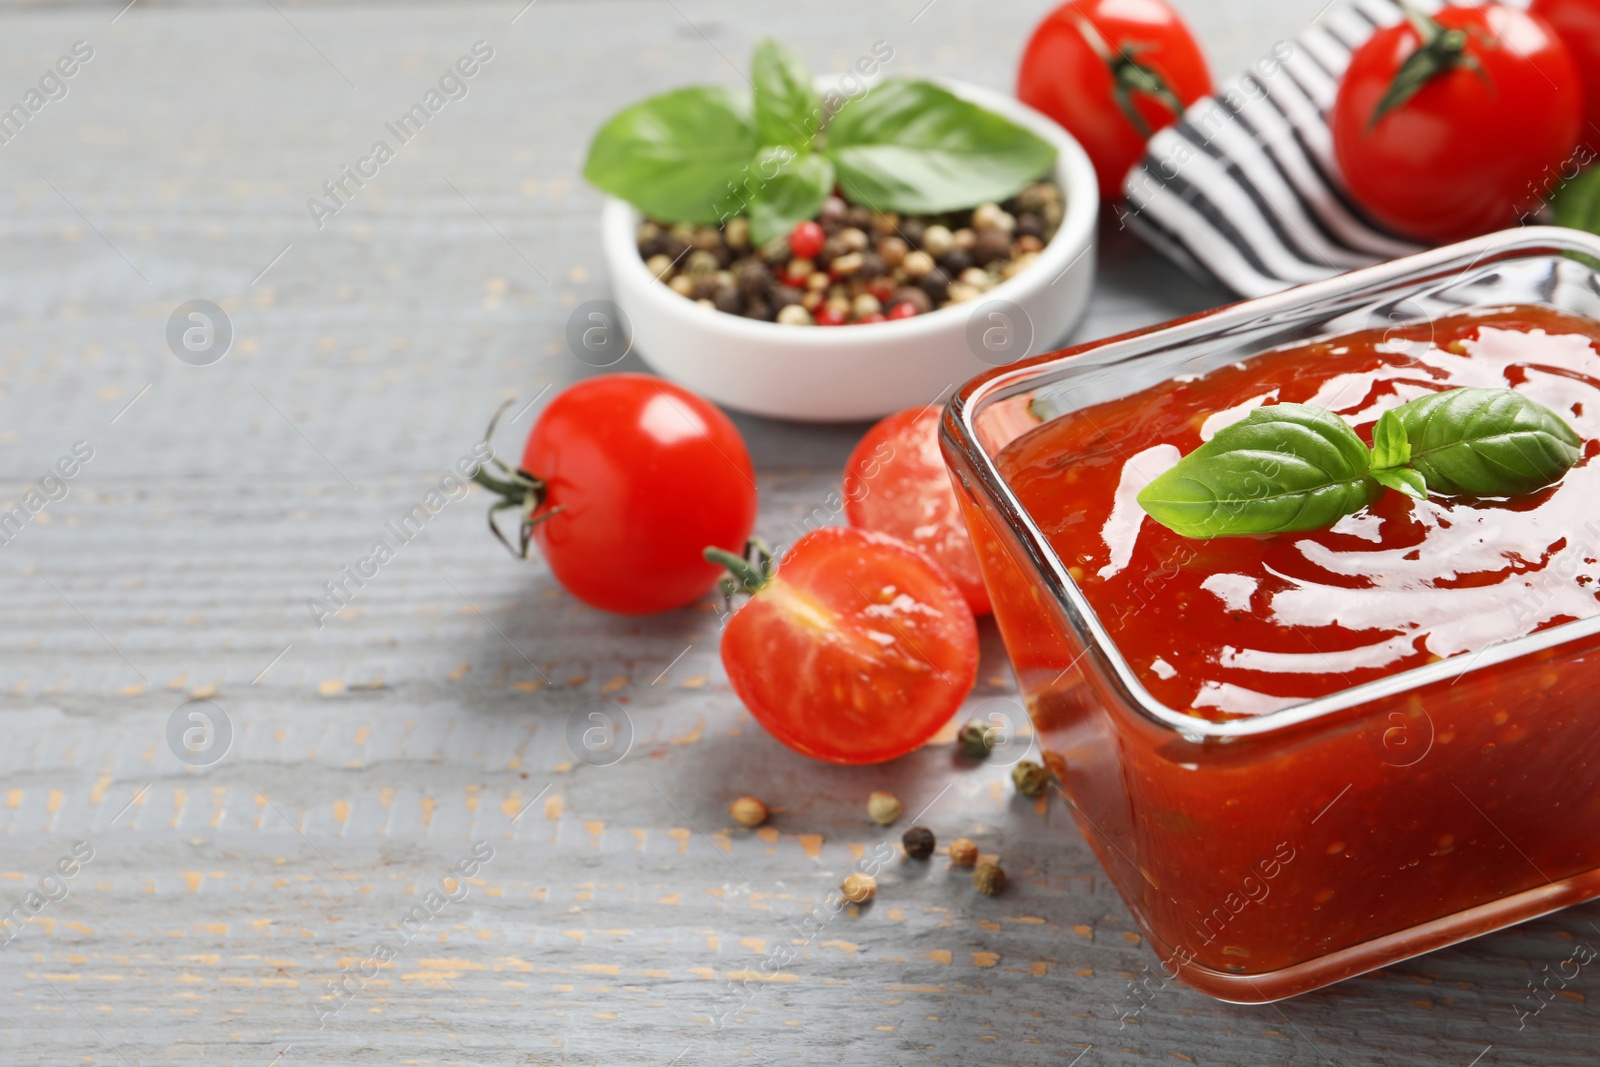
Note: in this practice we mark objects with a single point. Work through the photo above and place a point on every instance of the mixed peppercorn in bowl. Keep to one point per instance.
(853, 265)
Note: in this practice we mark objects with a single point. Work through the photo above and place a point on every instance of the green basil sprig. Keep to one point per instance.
(1282, 467)
(703, 155)
(1487, 442)
(1290, 467)
(1577, 202)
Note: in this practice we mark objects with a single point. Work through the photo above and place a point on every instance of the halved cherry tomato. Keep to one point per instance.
(896, 482)
(1577, 23)
(857, 650)
(1112, 72)
(624, 481)
(1445, 127)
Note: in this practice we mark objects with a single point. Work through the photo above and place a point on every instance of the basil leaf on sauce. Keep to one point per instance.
(1402, 480)
(1390, 446)
(1487, 442)
(1281, 468)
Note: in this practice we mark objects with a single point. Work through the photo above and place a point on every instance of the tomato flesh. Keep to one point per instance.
(1064, 74)
(1470, 151)
(857, 651)
(641, 476)
(896, 482)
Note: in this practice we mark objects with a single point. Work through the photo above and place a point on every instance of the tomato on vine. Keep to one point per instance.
(1445, 127)
(1112, 72)
(624, 480)
(856, 650)
(896, 482)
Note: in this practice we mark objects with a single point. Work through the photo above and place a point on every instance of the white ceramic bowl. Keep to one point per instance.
(841, 373)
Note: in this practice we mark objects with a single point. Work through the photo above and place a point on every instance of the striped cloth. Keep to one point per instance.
(1244, 188)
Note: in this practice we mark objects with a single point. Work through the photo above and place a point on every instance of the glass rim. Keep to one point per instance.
(958, 432)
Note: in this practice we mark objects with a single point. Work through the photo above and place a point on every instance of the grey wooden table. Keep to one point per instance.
(277, 903)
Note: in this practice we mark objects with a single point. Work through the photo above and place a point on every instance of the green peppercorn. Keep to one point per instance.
(918, 842)
(977, 739)
(1030, 778)
(988, 879)
(883, 807)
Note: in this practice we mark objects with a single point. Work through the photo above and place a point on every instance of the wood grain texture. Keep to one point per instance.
(621, 913)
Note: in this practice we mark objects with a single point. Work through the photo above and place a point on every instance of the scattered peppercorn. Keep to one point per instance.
(858, 252)
(963, 853)
(748, 811)
(977, 739)
(859, 888)
(1030, 778)
(988, 879)
(883, 807)
(918, 842)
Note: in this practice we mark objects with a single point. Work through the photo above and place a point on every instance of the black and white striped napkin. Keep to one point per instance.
(1244, 188)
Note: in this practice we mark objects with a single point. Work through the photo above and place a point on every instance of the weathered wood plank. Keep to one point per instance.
(620, 913)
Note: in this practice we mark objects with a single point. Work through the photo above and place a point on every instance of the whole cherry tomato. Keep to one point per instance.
(1112, 72)
(1445, 127)
(1577, 23)
(855, 650)
(896, 482)
(624, 480)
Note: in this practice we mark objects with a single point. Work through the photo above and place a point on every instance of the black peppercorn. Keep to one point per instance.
(832, 249)
(1029, 225)
(955, 261)
(728, 299)
(783, 296)
(911, 230)
(872, 265)
(918, 842)
(752, 275)
(859, 217)
(833, 214)
(936, 283)
(989, 246)
(757, 309)
(917, 298)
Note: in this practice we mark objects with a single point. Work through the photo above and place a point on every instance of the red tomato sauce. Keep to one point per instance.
(1265, 865)
(1241, 626)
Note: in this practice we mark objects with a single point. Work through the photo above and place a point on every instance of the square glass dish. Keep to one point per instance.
(1269, 855)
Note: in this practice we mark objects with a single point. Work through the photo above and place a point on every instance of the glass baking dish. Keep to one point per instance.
(1417, 810)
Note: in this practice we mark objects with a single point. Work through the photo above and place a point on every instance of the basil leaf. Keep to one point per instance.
(795, 192)
(1390, 446)
(913, 147)
(1577, 202)
(1487, 442)
(1403, 480)
(788, 109)
(1281, 468)
(675, 156)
